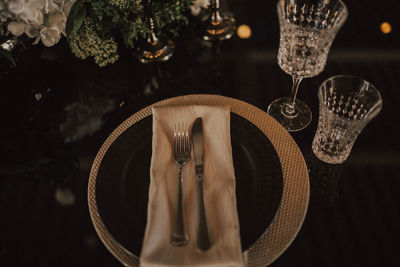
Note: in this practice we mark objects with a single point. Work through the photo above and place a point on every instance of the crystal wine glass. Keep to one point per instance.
(154, 49)
(307, 30)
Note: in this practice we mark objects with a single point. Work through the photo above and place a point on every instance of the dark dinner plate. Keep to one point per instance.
(123, 179)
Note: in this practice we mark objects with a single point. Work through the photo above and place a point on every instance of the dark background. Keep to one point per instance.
(354, 212)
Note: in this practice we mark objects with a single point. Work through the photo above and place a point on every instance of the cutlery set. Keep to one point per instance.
(182, 148)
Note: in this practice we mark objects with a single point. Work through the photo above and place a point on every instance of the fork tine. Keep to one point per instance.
(175, 138)
(184, 137)
(180, 138)
(187, 140)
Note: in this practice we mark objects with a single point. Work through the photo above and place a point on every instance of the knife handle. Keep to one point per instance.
(203, 239)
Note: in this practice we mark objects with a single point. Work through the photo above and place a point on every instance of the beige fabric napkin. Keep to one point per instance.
(219, 192)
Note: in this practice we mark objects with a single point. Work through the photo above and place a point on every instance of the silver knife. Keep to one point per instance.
(203, 239)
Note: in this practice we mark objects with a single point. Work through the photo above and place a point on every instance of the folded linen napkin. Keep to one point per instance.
(219, 192)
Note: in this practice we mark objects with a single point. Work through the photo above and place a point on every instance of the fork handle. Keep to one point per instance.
(179, 236)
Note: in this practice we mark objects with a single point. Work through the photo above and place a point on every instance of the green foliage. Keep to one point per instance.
(76, 16)
(7, 55)
(126, 19)
(4, 33)
(86, 43)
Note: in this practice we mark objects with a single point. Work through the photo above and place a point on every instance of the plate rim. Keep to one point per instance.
(291, 213)
(272, 175)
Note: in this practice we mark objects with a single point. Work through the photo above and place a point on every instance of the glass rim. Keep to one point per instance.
(340, 1)
(353, 77)
(337, 25)
(374, 111)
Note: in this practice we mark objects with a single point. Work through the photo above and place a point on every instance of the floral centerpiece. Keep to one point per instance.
(41, 20)
(93, 28)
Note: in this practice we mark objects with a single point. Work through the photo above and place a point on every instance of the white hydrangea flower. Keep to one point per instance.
(31, 31)
(50, 36)
(197, 5)
(5, 14)
(203, 3)
(29, 11)
(41, 19)
(16, 28)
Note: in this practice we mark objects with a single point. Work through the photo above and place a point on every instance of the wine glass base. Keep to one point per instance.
(219, 30)
(158, 51)
(296, 121)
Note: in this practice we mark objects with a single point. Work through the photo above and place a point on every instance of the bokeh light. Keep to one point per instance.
(244, 31)
(386, 28)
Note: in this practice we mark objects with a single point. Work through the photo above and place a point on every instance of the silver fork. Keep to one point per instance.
(181, 156)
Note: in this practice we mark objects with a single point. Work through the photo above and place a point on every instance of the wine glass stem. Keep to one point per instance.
(290, 109)
(215, 4)
(151, 38)
(215, 15)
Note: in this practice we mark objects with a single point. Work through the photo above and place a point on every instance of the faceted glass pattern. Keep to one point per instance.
(346, 105)
(308, 29)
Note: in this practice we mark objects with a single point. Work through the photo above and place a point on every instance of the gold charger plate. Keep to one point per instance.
(295, 196)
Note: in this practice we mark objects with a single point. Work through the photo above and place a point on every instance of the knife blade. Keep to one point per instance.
(203, 239)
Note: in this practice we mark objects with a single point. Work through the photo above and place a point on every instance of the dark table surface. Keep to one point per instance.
(58, 110)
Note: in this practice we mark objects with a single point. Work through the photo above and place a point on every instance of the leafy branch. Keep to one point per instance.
(7, 54)
(76, 16)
